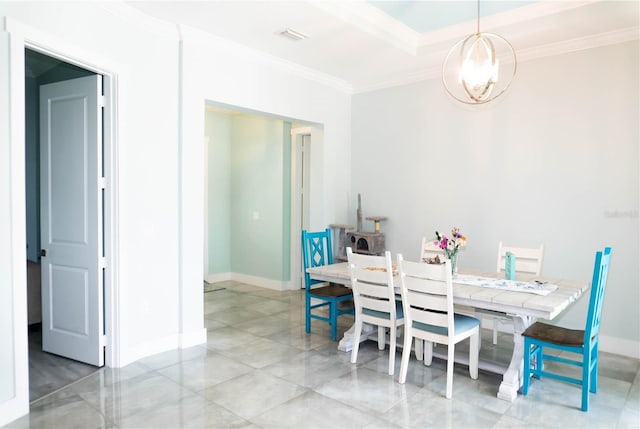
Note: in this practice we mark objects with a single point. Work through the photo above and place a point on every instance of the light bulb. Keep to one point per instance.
(479, 68)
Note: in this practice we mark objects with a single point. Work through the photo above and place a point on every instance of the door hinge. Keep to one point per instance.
(102, 183)
(103, 341)
(101, 101)
(102, 263)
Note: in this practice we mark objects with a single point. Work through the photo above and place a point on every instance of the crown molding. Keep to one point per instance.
(372, 20)
(580, 44)
(494, 22)
(542, 51)
(181, 33)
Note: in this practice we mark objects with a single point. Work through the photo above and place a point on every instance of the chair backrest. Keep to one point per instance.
(372, 284)
(316, 251)
(598, 285)
(429, 249)
(528, 260)
(427, 293)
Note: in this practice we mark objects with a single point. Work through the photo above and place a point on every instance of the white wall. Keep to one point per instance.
(149, 238)
(158, 162)
(235, 76)
(555, 162)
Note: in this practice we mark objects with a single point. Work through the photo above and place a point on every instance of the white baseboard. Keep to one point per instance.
(261, 281)
(620, 346)
(195, 338)
(160, 345)
(219, 277)
(251, 280)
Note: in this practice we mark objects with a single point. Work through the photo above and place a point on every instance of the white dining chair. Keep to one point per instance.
(528, 261)
(427, 299)
(429, 250)
(374, 300)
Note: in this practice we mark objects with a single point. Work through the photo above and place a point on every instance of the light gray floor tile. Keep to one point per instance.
(367, 390)
(252, 394)
(143, 394)
(227, 338)
(312, 410)
(211, 369)
(295, 336)
(308, 369)
(191, 411)
(268, 306)
(260, 352)
(62, 409)
(260, 369)
(265, 326)
(162, 360)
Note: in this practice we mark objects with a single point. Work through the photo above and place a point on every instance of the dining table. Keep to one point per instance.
(524, 300)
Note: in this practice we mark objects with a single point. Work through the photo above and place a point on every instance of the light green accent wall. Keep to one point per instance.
(256, 197)
(248, 195)
(286, 201)
(218, 129)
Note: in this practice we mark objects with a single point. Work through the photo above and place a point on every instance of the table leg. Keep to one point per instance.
(512, 378)
(346, 343)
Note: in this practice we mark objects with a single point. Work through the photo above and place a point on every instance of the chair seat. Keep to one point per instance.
(461, 323)
(331, 290)
(555, 334)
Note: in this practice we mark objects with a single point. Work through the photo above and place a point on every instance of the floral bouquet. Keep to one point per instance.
(452, 245)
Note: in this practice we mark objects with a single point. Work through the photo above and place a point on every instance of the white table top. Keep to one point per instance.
(514, 302)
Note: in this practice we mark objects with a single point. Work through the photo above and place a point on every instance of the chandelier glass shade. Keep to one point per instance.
(479, 67)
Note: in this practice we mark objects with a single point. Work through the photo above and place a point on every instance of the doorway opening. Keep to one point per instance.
(246, 197)
(49, 372)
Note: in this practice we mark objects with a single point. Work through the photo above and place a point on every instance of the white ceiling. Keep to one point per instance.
(361, 46)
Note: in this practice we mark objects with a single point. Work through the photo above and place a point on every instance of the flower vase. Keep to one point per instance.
(454, 263)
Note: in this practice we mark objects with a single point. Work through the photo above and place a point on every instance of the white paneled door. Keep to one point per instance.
(71, 200)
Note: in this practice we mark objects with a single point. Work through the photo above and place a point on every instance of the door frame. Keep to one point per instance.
(299, 176)
(20, 38)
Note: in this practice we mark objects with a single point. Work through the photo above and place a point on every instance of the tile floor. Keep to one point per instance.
(48, 372)
(260, 369)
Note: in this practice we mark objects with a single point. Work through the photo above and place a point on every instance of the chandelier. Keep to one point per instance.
(479, 67)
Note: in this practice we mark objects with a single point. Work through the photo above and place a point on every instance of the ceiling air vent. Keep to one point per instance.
(293, 34)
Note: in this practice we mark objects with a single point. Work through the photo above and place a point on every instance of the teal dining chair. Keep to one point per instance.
(316, 251)
(540, 336)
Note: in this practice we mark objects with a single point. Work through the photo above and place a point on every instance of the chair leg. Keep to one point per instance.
(450, 359)
(381, 337)
(307, 314)
(586, 379)
(428, 352)
(356, 339)
(406, 352)
(526, 367)
(588, 383)
(474, 352)
(392, 350)
(594, 370)
(419, 348)
(333, 320)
